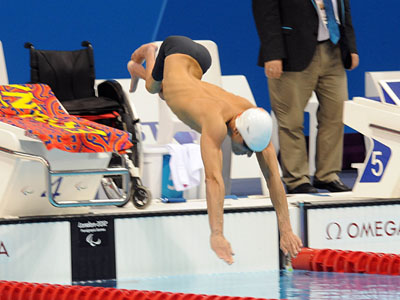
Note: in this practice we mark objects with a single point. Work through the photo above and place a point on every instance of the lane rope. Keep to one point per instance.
(12, 290)
(329, 260)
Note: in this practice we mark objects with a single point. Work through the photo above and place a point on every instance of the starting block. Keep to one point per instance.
(38, 177)
(378, 119)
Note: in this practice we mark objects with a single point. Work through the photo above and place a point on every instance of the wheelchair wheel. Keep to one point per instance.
(141, 196)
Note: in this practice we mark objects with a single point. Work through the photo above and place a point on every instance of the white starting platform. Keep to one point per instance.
(377, 117)
(36, 180)
(24, 185)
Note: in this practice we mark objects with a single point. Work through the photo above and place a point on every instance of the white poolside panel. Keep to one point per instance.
(176, 245)
(36, 252)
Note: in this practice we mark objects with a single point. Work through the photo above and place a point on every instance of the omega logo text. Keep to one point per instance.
(3, 250)
(353, 230)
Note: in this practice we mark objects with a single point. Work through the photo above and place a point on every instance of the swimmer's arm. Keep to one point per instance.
(210, 142)
(215, 190)
(269, 166)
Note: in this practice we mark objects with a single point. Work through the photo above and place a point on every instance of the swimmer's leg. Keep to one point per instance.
(136, 71)
(146, 53)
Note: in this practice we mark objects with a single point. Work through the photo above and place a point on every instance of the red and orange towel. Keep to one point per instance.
(35, 108)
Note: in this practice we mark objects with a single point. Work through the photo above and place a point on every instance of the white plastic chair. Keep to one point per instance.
(372, 87)
(3, 68)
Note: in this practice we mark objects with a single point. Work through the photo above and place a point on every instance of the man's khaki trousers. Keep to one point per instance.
(289, 96)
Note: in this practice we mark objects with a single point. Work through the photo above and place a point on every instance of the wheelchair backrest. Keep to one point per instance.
(70, 74)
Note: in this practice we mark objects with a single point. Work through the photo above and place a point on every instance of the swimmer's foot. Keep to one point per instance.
(141, 53)
(134, 84)
(135, 65)
(134, 70)
(152, 49)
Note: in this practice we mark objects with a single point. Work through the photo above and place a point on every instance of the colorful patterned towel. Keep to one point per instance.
(34, 108)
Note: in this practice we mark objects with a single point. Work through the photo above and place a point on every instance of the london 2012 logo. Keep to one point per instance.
(94, 231)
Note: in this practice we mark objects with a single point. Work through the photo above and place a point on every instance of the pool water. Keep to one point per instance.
(276, 285)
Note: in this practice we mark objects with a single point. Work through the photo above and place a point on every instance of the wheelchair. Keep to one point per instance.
(71, 76)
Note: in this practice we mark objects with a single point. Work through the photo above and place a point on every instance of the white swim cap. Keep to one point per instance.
(255, 126)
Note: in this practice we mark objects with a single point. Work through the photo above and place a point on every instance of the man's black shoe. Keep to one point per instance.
(304, 188)
(332, 186)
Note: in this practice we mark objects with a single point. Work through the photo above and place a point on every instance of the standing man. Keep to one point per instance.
(306, 46)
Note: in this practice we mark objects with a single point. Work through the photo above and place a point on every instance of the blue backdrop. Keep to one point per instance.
(116, 28)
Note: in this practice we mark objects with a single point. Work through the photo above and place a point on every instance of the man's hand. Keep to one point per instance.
(290, 244)
(355, 60)
(273, 68)
(221, 247)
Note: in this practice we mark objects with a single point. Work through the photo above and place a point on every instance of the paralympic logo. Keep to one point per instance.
(92, 242)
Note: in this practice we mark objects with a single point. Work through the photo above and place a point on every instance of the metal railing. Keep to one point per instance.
(120, 171)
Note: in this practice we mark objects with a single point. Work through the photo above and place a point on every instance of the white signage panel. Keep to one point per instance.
(357, 228)
(36, 252)
(180, 245)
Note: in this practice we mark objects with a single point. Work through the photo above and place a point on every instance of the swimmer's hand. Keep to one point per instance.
(290, 244)
(222, 247)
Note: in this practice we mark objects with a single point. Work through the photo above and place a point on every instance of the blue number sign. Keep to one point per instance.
(377, 163)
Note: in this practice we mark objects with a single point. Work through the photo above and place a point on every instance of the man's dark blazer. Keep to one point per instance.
(288, 30)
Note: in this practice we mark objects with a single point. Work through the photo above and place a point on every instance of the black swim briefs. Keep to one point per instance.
(183, 45)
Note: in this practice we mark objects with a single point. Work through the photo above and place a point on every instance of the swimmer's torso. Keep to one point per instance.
(195, 101)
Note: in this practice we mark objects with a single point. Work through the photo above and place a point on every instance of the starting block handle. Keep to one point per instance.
(123, 172)
(390, 130)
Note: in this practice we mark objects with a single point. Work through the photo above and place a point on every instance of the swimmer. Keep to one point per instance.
(176, 75)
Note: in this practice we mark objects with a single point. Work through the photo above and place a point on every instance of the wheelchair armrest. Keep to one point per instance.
(111, 89)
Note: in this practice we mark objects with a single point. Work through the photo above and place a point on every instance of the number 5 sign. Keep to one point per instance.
(377, 163)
